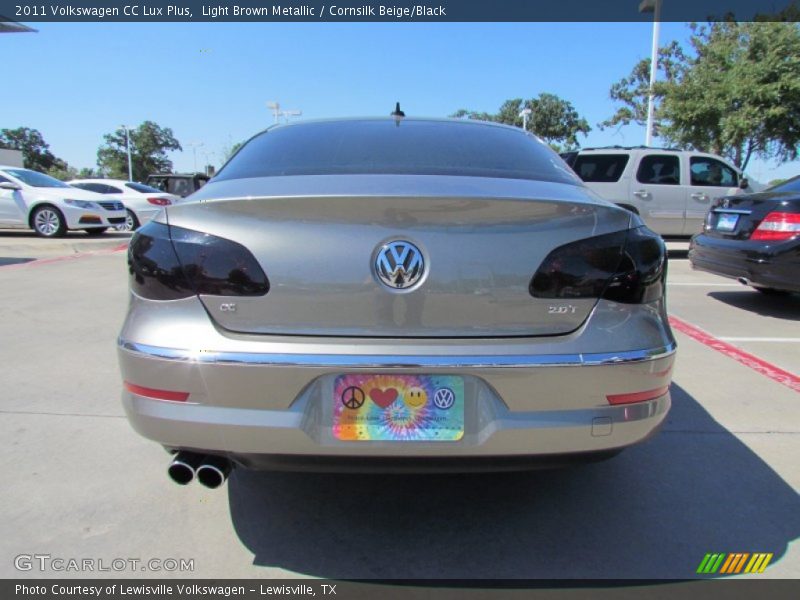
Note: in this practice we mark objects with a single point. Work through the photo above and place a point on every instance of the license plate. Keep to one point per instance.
(401, 408)
(726, 222)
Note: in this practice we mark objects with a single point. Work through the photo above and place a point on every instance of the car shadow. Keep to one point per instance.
(783, 306)
(652, 512)
(69, 235)
(4, 261)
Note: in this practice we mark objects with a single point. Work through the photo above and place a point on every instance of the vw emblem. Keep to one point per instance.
(399, 265)
(444, 398)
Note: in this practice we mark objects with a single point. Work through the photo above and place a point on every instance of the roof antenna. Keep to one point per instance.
(397, 114)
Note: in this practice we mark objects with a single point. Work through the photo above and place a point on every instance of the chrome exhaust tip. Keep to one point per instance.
(183, 467)
(213, 472)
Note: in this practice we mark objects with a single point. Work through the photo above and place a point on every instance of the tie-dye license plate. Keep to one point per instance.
(403, 408)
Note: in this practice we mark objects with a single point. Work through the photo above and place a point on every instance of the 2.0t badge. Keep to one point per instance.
(399, 265)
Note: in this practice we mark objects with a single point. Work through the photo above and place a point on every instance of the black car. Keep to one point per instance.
(754, 238)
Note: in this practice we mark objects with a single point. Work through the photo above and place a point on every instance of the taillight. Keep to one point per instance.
(160, 201)
(626, 266)
(777, 227)
(167, 263)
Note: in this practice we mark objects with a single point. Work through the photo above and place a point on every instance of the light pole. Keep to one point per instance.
(275, 107)
(653, 6)
(277, 113)
(128, 146)
(526, 112)
(195, 146)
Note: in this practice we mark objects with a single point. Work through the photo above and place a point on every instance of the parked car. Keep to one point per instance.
(33, 200)
(670, 189)
(394, 293)
(754, 238)
(178, 184)
(142, 202)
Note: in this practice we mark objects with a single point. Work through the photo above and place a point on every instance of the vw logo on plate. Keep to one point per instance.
(399, 265)
(444, 398)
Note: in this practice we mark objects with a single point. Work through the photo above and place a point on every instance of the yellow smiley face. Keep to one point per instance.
(416, 397)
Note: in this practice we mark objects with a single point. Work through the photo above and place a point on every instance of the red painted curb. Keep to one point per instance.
(790, 380)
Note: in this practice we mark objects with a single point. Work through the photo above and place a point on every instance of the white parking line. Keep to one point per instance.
(760, 339)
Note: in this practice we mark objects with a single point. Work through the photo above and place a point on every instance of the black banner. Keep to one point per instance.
(398, 10)
(264, 589)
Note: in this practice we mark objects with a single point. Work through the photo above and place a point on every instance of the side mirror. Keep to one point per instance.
(743, 183)
(8, 185)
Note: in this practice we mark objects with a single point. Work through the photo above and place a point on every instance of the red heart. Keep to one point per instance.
(383, 398)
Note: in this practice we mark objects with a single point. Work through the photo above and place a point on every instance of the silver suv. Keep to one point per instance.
(670, 189)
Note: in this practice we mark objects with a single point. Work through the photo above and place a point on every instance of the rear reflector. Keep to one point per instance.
(777, 226)
(157, 394)
(637, 396)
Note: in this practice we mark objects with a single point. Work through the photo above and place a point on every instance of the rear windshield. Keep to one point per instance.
(600, 168)
(140, 187)
(406, 148)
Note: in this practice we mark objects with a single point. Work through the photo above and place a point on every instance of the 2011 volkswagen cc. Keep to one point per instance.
(394, 293)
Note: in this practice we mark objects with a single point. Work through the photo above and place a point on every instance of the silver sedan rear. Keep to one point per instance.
(394, 294)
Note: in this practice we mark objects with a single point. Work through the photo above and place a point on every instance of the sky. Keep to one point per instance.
(211, 82)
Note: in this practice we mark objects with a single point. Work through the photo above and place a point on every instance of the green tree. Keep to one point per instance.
(36, 153)
(553, 119)
(740, 95)
(633, 91)
(149, 146)
(737, 94)
(63, 172)
(463, 113)
(556, 121)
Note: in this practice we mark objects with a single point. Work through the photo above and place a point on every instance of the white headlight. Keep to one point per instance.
(81, 204)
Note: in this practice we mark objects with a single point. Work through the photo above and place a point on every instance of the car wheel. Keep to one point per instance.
(131, 222)
(48, 221)
(96, 230)
(771, 291)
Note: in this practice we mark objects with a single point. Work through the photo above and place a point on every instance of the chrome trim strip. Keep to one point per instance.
(392, 361)
(732, 211)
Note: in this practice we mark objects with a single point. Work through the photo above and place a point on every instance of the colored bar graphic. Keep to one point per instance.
(758, 563)
(733, 563)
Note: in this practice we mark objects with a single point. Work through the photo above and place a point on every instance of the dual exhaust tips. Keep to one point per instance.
(211, 471)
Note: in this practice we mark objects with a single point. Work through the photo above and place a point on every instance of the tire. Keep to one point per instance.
(96, 230)
(770, 291)
(47, 221)
(131, 222)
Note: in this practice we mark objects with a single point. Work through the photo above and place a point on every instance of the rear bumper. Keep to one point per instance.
(274, 409)
(761, 264)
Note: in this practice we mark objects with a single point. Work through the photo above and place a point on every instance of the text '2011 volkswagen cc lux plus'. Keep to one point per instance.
(381, 294)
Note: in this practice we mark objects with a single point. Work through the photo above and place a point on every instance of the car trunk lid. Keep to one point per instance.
(480, 253)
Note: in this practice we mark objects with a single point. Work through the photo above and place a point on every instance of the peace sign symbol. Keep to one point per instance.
(353, 397)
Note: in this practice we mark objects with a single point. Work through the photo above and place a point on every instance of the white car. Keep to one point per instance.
(29, 199)
(142, 202)
(671, 190)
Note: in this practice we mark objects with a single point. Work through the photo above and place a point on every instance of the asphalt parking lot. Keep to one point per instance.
(722, 475)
